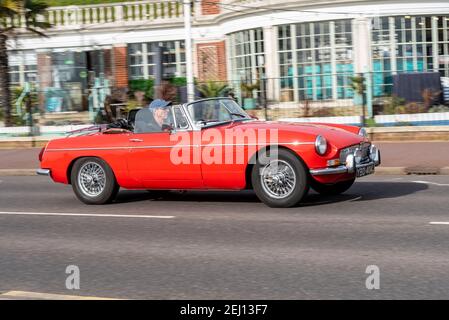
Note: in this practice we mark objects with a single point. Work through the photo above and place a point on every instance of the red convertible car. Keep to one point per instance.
(210, 144)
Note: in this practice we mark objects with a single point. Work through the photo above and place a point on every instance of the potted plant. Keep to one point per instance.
(212, 89)
(249, 102)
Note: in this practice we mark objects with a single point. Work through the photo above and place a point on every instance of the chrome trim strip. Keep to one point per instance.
(338, 170)
(327, 171)
(176, 146)
(375, 160)
(43, 172)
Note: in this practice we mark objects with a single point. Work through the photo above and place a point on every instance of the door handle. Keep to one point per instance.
(135, 140)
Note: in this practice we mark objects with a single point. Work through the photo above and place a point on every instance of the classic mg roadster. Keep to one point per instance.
(209, 144)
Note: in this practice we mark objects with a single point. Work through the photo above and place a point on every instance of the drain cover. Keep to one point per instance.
(422, 170)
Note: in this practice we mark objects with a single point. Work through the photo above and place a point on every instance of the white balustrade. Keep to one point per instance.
(107, 14)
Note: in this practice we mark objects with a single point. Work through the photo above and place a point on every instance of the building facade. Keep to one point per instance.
(291, 51)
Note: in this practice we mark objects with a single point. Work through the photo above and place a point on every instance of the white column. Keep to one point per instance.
(333, 61)
(271, 63)
(435, 44)
(392, 38)
(188, 47)
(361, 33)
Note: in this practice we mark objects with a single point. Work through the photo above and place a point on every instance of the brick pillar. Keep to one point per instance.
(44, 75)
(107, 54)
(209, 7)
(120, 66)
(212, 61)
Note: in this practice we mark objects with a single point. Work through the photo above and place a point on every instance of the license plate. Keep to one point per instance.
(364, 171)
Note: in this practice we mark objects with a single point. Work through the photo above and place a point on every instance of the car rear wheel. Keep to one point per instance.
(93, 181)
(331, 189)
(281, 182)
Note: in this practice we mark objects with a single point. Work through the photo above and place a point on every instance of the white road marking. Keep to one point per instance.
(432, 183)
(441, 223)
(85, 215)
(47, 296)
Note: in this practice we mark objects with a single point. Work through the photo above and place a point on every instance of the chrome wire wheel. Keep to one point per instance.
(92, 179)
(278, 179)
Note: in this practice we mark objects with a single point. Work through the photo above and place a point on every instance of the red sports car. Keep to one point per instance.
(210, 144)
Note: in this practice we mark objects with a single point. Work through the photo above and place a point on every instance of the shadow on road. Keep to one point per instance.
(361, 191)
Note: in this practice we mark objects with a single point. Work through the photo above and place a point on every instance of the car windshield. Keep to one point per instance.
(215, 111)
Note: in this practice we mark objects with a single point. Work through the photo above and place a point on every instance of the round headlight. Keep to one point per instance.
(363, 133)
(320, 145)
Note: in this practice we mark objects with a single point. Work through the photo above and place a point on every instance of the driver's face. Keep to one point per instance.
(161, 114)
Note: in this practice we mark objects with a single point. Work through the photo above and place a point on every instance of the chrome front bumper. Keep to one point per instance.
(43, 172)
(351, 164)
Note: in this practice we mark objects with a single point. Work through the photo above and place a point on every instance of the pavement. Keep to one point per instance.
(227, 245)
(397, 158)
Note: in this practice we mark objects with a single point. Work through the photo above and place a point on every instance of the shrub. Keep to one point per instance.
(144, 85)
(212, 89)
(392, 104)
(439, 108)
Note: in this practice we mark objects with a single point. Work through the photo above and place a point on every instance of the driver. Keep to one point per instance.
(160, 111)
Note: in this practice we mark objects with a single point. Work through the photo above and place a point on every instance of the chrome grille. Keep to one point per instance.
(365, 147)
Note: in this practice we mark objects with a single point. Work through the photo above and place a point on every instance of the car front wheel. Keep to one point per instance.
(93, 181)
(281, 182)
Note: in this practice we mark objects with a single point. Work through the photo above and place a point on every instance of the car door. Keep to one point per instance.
(154, 159)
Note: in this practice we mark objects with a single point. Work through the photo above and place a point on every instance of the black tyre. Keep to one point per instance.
(281, 183)
(93, 181)
(331, 189)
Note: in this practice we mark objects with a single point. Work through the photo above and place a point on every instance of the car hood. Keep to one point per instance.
(338, 137)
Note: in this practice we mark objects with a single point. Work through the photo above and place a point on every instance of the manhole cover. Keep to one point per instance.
(422, 170)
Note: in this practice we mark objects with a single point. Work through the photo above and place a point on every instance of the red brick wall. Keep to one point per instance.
(44, 70)
(210, 7)
(44, 74)
(120, 64)
(212, 61)
(107, 54)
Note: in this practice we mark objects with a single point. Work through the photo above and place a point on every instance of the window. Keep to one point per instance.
(181, 121)
(142, 59)
(406, 44)
(22, 67)
(315, 60)
(247, 57)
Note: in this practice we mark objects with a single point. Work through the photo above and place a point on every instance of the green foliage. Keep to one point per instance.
(178, 81)
(57, 3)
(358, 84)
(248, 88)
(392, 104)
(144, 85)
(212, 89)
(370, 122)
(439, 108)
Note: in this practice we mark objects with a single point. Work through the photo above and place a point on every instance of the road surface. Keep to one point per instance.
(225, 245)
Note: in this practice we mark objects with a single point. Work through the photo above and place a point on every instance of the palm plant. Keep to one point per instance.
(359, 87)
(12, 11)
(212, 89)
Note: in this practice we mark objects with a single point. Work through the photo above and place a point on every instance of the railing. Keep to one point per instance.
(122, 13)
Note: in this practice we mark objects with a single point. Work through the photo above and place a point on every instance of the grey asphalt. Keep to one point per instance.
(226, 245)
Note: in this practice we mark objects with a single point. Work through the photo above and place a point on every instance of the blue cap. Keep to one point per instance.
(159, 103)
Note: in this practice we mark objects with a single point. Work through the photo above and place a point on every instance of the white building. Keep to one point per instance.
(306, 50)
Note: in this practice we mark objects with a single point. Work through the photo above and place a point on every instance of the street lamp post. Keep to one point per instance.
(188, 47)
